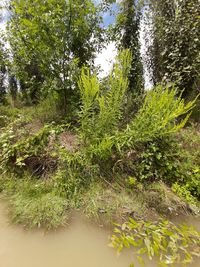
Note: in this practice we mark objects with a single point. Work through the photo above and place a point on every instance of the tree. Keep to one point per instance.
(12, 88)
(127, 27)
(176, 43)
(2, 76)
(2, 66)
(50, 40)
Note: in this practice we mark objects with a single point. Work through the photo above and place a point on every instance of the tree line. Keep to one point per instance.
(50, 41)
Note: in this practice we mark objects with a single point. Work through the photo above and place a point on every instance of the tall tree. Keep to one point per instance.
(2, 64)
(49, 40)
(128, 27)
(2, 74)
(176, 43)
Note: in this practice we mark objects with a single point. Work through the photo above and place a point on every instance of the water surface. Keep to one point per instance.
(81, 244)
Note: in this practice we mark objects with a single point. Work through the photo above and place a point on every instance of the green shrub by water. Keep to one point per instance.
(168, 243)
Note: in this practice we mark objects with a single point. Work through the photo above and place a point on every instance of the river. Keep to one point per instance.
(81, 244)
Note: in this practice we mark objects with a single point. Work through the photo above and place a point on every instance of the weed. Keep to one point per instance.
(47, 110)
(111, 204)
(44, 210)
(33, 203)
(101, 111)
(157, 117)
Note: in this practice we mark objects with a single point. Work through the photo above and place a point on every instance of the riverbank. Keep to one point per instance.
(81, 243)
(142, 173)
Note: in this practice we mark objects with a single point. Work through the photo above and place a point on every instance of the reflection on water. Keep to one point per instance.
(79, 245)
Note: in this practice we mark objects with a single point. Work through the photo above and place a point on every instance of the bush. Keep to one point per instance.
(171, 244)
(145, 151)
(188, 184)
(101, 110)
(183, 191)
(156, 160)
(158, 117)
(15, 153)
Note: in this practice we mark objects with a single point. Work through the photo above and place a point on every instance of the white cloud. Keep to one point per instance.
(105, 59)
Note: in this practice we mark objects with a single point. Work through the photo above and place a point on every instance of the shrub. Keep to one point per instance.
(154, 161)
(183, 191)
(158, 117)
(102, 110)
(171, 244)
(35, 152)
(14, 153)
(187, 185)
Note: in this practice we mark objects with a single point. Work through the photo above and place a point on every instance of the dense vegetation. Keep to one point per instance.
(70, 140)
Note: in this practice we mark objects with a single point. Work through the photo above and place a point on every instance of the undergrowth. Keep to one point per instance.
(108, 204)
(34, 203)
(150, 149)
(45, 210)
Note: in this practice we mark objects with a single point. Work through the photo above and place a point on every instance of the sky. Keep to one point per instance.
(106, 58)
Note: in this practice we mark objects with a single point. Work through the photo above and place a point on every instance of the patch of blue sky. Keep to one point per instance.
(110, 17)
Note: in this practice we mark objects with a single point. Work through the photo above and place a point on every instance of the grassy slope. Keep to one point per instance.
(46, 199)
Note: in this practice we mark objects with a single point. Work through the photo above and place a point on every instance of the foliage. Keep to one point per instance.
(156, 160)
(175, 50)
(76, 172)
(169, 243)
(25, 152)
(69, 186)
(101, 111)
(2, 73)
(183, 191)
(188, 184)
(126, 34)
(171, 159)
(126, 151)
(141, 153)
(157, 117)
(47, 110)
(49, 42)
(148, 150)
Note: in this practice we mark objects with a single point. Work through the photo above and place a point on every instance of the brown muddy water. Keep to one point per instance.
(81, 244)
